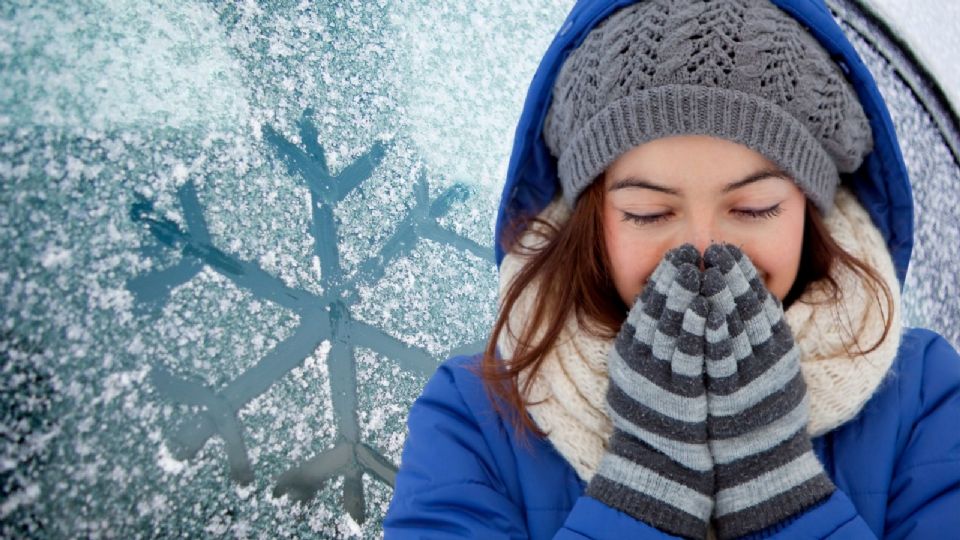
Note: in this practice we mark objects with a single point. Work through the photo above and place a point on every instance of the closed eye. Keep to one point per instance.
(646, 219)
(747, 213)
(764, 213)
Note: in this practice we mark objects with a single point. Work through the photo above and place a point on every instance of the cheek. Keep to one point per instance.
(777, 258)
(632, 259)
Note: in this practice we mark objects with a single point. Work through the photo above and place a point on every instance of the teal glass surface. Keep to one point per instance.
(238, 239)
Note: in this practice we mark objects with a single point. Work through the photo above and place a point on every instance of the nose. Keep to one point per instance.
(701, 232)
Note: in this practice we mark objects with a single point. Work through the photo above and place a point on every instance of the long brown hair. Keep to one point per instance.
(570, 267)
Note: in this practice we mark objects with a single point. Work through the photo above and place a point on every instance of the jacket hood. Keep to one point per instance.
(881, 184)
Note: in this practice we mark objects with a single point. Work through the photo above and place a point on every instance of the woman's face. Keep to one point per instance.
(699, 189)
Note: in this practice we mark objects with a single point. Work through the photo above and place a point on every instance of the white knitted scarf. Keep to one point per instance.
(567, 398)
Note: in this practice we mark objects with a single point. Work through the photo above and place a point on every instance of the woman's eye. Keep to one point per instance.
(748, 213)
(646, 219)
(764, 213)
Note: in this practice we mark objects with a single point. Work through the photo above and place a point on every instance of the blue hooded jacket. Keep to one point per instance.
(896, 464)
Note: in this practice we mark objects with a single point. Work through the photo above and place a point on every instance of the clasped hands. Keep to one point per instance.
(708, 403)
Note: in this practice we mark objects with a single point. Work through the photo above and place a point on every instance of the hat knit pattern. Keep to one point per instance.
(741, 70)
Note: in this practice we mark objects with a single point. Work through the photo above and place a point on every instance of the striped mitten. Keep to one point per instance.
(657, 466)
(765, 467)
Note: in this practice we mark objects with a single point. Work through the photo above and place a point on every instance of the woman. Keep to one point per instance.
(702, 240)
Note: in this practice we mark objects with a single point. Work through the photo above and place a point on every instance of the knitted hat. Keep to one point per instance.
(741, 70)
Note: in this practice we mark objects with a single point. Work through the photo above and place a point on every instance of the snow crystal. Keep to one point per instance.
(56, 256)
(21, 498)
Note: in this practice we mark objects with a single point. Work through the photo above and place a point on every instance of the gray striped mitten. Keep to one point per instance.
(765, 468)
(657, 466)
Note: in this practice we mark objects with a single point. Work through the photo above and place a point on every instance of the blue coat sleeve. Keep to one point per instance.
(924, 498)
(455, 481)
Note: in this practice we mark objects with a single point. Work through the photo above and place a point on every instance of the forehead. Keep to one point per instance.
(689, 161)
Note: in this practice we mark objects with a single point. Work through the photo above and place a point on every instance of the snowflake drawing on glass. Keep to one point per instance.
(322, 318)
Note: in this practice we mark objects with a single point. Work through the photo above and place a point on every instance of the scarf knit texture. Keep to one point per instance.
(567, 396)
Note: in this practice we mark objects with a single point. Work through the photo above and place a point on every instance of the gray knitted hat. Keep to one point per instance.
(741, 70)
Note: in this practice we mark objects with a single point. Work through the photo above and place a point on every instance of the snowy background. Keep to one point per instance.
(239, 237)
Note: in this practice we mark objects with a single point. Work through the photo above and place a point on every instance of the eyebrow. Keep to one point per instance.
(636, 182)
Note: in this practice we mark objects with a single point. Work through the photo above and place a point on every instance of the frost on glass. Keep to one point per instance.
(934, 273)
(238, 238)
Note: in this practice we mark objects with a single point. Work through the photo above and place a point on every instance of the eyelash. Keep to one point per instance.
(765, 213)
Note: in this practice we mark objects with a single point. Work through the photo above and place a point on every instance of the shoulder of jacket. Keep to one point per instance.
(925, 365)
(456, 385)
(926, 371)
(927, 354)
(459, 371)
